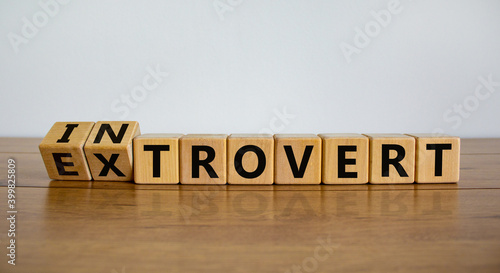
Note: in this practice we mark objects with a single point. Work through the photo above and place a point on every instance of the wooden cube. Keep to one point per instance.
(203, 159)
(437, 158)
(250, 159)
(62, 151)
(345, 158)
(156, 159)
(392, 159)
(297, 159)
(109, 150)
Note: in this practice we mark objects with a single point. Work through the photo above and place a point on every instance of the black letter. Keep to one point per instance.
(107, 128)
(342, 161)
(156, 156)
(386, 161)
(298, 172)
(438, 171)
(67, 133)
(109, 164)
(261, 165)
(195, 167)
(60, 165)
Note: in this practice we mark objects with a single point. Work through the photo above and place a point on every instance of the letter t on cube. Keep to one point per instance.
(437, 158)
(156, 159)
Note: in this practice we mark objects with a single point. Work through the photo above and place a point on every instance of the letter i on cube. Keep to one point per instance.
(62, 151)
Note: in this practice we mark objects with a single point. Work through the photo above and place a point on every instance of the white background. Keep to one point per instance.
(233, 65)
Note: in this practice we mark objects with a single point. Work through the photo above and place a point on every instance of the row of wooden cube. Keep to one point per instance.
(116, 151)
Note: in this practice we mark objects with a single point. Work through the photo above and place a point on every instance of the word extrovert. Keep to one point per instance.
(116, 151)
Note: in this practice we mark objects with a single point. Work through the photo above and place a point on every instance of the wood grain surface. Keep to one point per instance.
(122, 227)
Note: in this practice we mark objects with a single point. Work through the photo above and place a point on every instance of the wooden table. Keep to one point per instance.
(65, 226)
